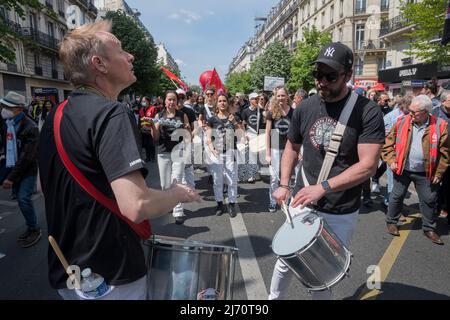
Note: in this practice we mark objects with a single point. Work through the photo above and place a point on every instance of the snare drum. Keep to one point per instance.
(190, 270)
(312, 251)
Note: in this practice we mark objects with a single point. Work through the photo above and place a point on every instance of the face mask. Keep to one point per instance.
(7, 114)
(144, 104)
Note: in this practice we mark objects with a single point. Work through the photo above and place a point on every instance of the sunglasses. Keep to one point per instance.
(210, 94)
(330, 77)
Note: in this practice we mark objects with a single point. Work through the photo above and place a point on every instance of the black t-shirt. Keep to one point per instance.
(198, 110)
(166, 128)
(282, 125)
(312, 126)
(190, 114)
(102, 140)
(205, 113)
(251, 118)
(224, 132)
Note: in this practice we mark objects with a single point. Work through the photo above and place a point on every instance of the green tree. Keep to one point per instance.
(238, 82)
(10, 32)
(428, 18)
(305, 53)
(274, 62)
(195, 88)
(137, 42)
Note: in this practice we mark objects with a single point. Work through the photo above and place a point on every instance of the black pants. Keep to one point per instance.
(426, 191)
(147, 143)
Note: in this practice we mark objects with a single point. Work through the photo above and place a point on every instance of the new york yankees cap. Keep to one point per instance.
(336, 55)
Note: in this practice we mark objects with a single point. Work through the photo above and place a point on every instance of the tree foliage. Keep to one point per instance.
(10, 33)
(428, 18)
(135, 41)
(305, 53)
(238, 82)
(274, 62)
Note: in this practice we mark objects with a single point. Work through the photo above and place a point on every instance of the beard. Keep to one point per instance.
(327, 94)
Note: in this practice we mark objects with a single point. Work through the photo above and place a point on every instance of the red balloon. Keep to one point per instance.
(205, 78)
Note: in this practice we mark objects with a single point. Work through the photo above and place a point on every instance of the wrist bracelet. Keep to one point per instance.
(285, 187)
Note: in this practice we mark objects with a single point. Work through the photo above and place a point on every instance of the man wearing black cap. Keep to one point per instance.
(337, 198)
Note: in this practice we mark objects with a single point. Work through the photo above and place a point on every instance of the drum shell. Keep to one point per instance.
(322, 263)
(181, 270)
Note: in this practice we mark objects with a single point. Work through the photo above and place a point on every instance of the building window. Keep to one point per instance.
(33, 23)
(309, 8)
(323, 19)
(381, 62)
(51, 29)
(359, 36)
(61, 8)
(359, 66)
(384, 5)
(341, 8)
(315, 5)
(331, 14)
(360, 6)
(3, 13)
(340, 35)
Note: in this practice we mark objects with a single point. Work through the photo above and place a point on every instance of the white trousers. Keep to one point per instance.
(136, 290)
(274, 168)
(168, 171)
(224, 170)
(188, 178)
(343, 226)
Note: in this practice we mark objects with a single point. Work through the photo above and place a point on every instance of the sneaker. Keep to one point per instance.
(375, 187)
(32, 239)
(251, 180)
(24, 235)
(272, 208)
(220, 208)
(180, 220)
(443, 214)
(232, 210)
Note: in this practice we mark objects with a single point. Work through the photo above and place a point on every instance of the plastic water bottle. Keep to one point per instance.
(93, 285)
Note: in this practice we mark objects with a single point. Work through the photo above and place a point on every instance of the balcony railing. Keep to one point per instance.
(38, 70)
(288, 31)
(393, 24)
(360, 10)
(61, 13)
(49, 4)
(55, 74)
(368, 45)
(41, 38)
(13, 25)
(282, 19)
(11, 67)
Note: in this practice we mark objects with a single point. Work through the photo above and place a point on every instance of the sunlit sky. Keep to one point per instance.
(199, 34)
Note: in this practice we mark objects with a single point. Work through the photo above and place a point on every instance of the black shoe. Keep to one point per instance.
(180, 220)
(220, 208)
(232, 210)
(24, 235)
(32, 239)
(367, 202)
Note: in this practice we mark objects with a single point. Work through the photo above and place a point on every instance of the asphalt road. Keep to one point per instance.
(412, 266)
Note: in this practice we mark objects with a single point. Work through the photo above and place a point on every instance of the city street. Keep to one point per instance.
(411, 266)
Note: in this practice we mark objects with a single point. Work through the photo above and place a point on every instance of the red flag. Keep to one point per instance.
(446, 36)
(174, 78)
(216, 82)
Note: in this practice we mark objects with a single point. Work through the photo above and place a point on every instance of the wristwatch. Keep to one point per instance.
(326, 186)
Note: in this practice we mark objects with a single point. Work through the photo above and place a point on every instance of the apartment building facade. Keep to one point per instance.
(356, 23)
(37, 72)
(165, 58)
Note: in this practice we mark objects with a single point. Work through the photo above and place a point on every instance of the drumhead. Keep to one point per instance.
(288, 240)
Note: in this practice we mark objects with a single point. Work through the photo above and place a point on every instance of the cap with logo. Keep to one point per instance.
(336, 55)
(13, 99)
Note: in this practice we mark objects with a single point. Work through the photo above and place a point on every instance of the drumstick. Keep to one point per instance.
(285, 209)
(62, 259)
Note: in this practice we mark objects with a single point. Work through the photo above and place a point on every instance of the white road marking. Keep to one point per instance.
(253, 279)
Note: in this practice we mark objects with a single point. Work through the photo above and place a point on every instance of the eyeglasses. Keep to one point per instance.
(210, 94)
(331, 77)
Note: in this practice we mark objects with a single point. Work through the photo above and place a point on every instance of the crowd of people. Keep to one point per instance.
(90, 151)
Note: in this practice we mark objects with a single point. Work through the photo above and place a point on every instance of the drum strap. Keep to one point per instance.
(142, 229)
(335, 141)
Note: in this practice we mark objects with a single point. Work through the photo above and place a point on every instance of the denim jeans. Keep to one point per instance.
(24, 190)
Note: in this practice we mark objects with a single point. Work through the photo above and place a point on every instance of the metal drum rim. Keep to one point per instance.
(306, 246)
(193, 246)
